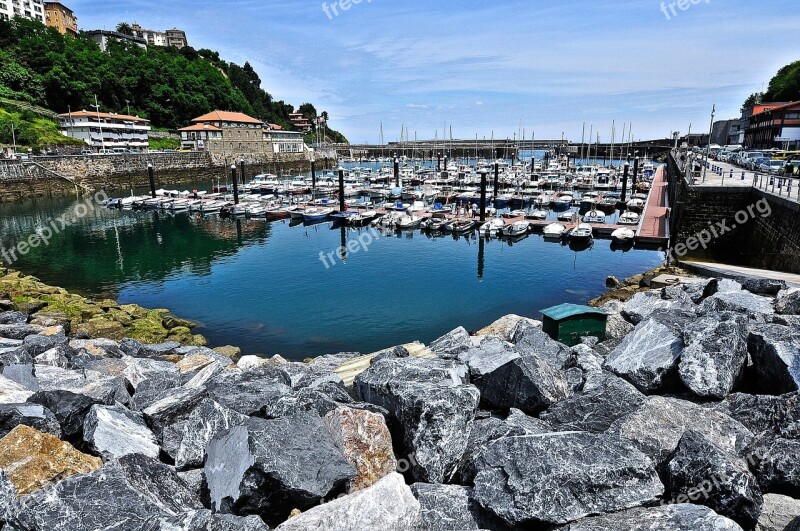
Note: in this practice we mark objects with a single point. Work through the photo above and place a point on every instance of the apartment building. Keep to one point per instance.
(152, 37)
(107, 131)
(31, 9)
(232, 134)
(59, 16)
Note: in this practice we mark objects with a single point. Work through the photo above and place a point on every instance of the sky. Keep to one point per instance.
(492, 67)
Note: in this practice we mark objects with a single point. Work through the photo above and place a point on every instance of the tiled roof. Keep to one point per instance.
(201, 127)
(227, 116)
(109, 116)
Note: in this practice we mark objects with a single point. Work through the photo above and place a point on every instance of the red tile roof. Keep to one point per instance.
(109, 116)
(227, 116)
(201, 127)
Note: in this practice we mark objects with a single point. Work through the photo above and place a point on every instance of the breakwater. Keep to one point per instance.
(664, 421)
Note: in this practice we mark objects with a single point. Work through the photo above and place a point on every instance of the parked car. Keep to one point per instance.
(753, 163)
(773, 166)
(21, 156)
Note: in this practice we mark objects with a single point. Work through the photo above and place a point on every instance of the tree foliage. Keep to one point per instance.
(785, 86)
(752, 99)
(167, 85)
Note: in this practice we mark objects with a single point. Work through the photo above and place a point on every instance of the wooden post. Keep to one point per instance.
(483, 196)
(496, 178)
(151, 177)
(341, 190)
(235, 185)
(625, 182)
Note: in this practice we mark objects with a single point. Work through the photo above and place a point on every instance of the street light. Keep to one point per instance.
(99, 123)
(708, 147)
(128, 104)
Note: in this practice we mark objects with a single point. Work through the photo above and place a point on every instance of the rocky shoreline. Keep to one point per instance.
(687, 417)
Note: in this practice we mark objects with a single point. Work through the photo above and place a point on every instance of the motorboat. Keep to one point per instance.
(635, 204)
(623, 235)
(589, 199)
(276, 213)
(594, 216)
(569, 217)
(459, 226)
(581, 233)
(296, 212)
(256, 211)
(363, 218)
(629, 218)
(515, 214)
(408, 222)
(434, 224)
(562, 202)
(317, 214)
(554, 231)
(518, 228)
(492, 227)
(539, 214)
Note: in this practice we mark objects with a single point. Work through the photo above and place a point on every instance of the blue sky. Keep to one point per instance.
(500, 65)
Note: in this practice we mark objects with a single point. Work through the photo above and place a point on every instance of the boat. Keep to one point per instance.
(635, 204)
(408, 222)
(276, 213)
(567, 216)
(539, 214)
(589, 200)
(515, 214)
(518, 228)
(629, 218)
(317, 214)
(562, 202)
(623, 235)
(296, 212)
(581, 233)
(434, 224)
(256, 211)
(554, 231)
(344, 217)
(459, 226)
(491, 227)
(594, 216)
(363, 218)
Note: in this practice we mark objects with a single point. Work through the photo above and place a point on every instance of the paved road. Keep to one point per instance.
(728, 271)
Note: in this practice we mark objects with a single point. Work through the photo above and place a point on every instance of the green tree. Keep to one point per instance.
(785, 86)
(124, 28)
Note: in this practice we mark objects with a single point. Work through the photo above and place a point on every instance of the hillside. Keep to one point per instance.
(784, 86)
(166, 85)
(33, 127)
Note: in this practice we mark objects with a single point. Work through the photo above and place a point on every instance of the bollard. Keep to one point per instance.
(396, 171)
(241, 170)
(635, 174)
(341, 190)
(483, 196)
(496, 178)
(235, 185)
(743, 175)
(624, 182)
(151, 176)
(313, 177)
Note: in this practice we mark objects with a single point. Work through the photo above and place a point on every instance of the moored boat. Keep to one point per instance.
(518, 228)
(623, 235)
(581, 233)
(317, 214)
(554, 231)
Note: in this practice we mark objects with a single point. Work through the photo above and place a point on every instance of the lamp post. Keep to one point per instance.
(128, 105)
(99, 123)
(708, 147)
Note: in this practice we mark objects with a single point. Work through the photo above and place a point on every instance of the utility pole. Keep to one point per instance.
(128, 104)
(14, 139)
(708, 147)
(99, 123)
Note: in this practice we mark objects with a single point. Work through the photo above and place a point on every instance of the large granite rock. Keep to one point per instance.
(774, 462)
(715, 355)
(529, 383)
(172, 409)
(18, 330)
(365, 442)
(778, 513)
(140, 369)
(33, 459)
(115, 431)
(450, 345)
(205, 520)
(530, 340)
(617, 327)
(560, 477)
(492, 353)
(269, 467)
(13, 393)
(788, 302)
(451, 507)
(702, 473)
(754, 306)
(762, 286)
(605, 399)
(779, 415)
(34, 415)
(506, 326)
(775, 350)
(648, 356)
(249, 392)
(71, 408)
(8, 495)
(388, 505)
(430, 407)
(639, 307)
(131, 493)
(204, 422)
(657, 426)
(679, 517)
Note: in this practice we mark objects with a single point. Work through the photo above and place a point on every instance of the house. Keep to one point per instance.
(176, 38)
(102, 38)
(107, 131)
(285, 141)
(59, 16)
(725, 132)
(30, 9)
(300, 121)
(197, 136)
(773, 125)
(153, 37)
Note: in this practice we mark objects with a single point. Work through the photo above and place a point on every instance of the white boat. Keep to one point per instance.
(491, 227)
(594, 216)
(563, 201)
(635, 204)
(363, 218)
(518, 228)
(296, 212)
(567, 216)
(623, 235)
(317, 214)
(629, 218)
(582, 232)
(256, 211)
(539, 214)
(408, 222)
(554, 231)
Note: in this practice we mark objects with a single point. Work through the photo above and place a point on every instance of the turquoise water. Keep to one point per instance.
(263, 287)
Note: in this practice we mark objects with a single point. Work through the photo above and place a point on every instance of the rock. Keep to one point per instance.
(430, 411)
(560, 477)
(677, 517)
(47, 319)
(13, 393)
(451, 507)
(492, 353)
(251, 392)
(388, 505)
(778, 513)
(774, 462)
(642, 304)
(247, 363)
(204, 422)
(648, 356)
(754, 306)
(34, 415)
(657, 426)
(204, 375)
(788, 302)
(205, 520)
(141, 369)
(170, 410)
(232, 353)
(115, 431)
(506, 326)
(105, 348)
(702, 473)
(452, 344)
(18, 331)
(136, 349)
(55, 357)
(365, 442)
(617, 327)
(779, 415)
(604, 400)
(775, 350)
(33, 459)
(612, 282)
(762, 286)
(130, 493)
(715, 355)
(71, 407)
(8, 495)
(267, 467)
(588, 360)
(530, 340)
(529, 383)
(720, 285)
(11, 317)
(102, 327)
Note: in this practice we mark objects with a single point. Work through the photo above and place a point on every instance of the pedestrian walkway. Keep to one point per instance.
(720, 174)
(733, 271)
(654, 227)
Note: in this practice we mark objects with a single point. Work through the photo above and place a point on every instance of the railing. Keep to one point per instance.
(788, 187)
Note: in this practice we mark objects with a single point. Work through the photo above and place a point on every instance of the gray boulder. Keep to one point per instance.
(204, 422)
(788, 302)
(605, 399)
(530, 340)
(115, 431)
(205, 520)
(128, 493)
(269, 467)
(450, 345)
(560, 477)
(165, 417)
(754, 306)
(775, 350)
(33, 415)
(774, 462)
(720, 285)
(250, 392)
(715, 355)
(528, 383)
(639, 307)
(779, 415)
(702, 473)
(8, 496)
(56, 357)
(451, 507)
(137, 370)
(18, 331)
(617, 327)
(762, 286)
(388, 505)
(13, 393)
(13, 317)
(679, 517)
(778, 513)
(71, 407)
(492, 353)
(135, 349)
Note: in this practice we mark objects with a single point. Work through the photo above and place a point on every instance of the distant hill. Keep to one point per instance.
(166, 85)
(785, 86)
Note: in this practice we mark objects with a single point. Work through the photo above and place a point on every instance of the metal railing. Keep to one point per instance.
(782, 186)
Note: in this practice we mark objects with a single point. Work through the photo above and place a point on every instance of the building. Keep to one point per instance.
(774, 125)
(300, 121)
(229, 135)
(60, 17)
(109, 131)
(726, 132)
(31, 9)
(176, 38)
(152, 37)
(102, 37)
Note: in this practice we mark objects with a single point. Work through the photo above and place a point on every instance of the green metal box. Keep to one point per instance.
(568, 323)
